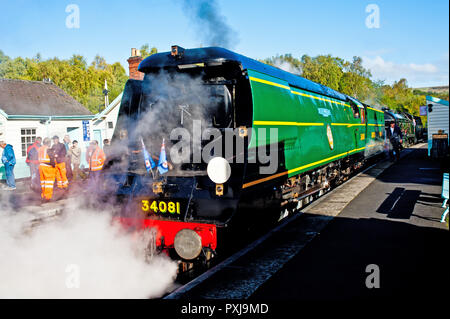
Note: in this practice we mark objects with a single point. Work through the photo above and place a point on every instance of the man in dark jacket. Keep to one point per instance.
(395, 137)
(9, 160)
(58, 150)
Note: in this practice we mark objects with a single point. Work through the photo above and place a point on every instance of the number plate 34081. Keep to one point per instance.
(160, 207)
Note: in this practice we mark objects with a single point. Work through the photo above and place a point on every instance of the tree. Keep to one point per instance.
(3, 57)
(99, 62)
(443, 95)
(324, 69)
(84, 83)
(146, 51)
(356, 80)
(400, 97)
(351, 78)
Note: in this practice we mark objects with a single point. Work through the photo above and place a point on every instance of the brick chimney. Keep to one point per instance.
(133, 63)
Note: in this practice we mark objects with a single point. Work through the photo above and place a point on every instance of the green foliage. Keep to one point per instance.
(323, 69)
(3, 57)
(443, 95)
(400, 97)
(84, 83)
(146, 51)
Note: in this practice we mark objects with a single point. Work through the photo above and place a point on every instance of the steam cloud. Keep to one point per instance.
(168, 99)
(45, 262)
(82, 255)
(170, 93)
(210, 23)
(286, 66)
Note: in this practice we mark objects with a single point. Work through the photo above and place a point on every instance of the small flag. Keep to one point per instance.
(162, 164)
(149, 163)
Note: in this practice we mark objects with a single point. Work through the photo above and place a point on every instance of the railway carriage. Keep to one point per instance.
(319, 137)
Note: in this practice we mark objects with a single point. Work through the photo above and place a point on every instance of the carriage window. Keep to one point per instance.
(355, 109)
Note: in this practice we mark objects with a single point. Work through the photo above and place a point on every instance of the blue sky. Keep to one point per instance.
(412, 40)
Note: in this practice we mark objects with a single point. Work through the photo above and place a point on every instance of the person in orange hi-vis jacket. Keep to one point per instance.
(47, 171)
(60, 163)
(96, 159)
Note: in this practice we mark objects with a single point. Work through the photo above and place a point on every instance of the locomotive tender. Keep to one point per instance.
(322, 137)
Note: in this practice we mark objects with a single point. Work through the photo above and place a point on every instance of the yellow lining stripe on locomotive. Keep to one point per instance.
(371, 108)
(347, 124)
(295, 92)
(319, 98)
(324, 160)
(286, 123)
(270, 83)
(265, 179)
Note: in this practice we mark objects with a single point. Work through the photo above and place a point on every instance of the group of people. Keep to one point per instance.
(50, 160)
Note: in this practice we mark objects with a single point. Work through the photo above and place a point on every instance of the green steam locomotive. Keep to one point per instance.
(297, 139)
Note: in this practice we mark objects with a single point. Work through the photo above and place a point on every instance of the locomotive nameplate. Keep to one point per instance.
(161, 206)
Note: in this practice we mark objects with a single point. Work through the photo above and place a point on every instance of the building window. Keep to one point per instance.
(28, 136)
(110, 125)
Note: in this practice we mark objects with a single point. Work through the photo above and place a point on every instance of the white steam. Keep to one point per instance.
(82, 255)
(169, 101)
(170, 95)
(286, 66)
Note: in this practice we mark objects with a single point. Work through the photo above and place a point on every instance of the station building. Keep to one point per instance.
(437, 121)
